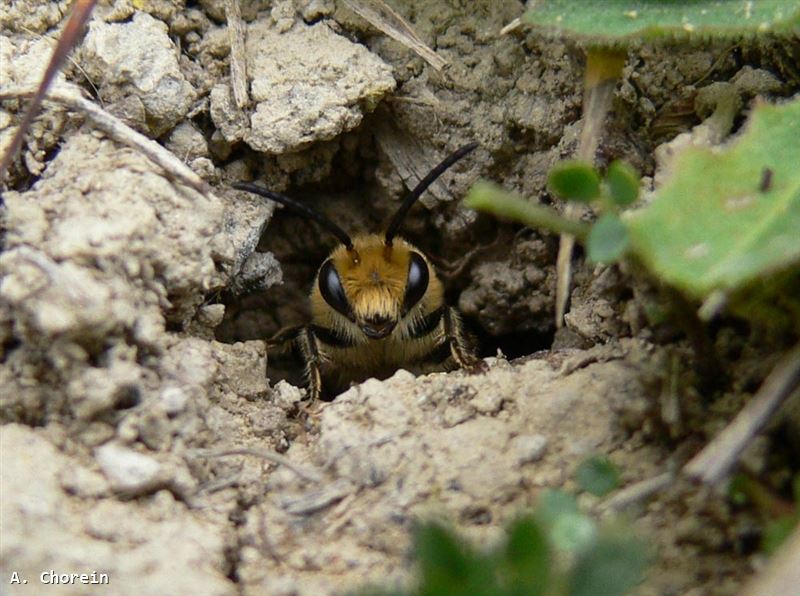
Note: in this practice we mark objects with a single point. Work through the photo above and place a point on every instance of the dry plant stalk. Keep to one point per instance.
(603, 69)
(236, 35)
(718, 457)
(382, 16)
(119, 131)
(81, 11)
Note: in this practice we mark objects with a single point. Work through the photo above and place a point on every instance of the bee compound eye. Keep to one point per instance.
(417, 283)
(330, 286)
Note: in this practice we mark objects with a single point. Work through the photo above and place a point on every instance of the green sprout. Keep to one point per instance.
(556, 550)
(606, 240)
(723, 228)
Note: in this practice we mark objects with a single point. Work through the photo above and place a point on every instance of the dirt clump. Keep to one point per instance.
(137, 443)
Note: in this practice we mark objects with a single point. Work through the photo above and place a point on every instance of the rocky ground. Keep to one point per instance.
(135, 394)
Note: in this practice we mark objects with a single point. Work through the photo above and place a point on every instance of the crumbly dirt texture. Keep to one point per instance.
(136, 397)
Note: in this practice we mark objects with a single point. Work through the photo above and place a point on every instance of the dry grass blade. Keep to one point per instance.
(383, 17)
(277, 458)
(718, 457)
(637, 493)
(318, 499)
(236, 34)
(81, 11)
(117, 130)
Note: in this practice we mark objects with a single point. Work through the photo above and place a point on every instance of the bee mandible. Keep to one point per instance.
(377, 304)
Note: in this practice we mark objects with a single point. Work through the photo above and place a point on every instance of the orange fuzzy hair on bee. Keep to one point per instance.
(374, 278)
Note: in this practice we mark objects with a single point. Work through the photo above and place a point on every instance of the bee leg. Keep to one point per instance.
(460, 346)
(307, 344)
(285, 340)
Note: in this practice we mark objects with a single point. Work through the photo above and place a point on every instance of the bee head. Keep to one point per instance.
(375, 286)
(373, 282)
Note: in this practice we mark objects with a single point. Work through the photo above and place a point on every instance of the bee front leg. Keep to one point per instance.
(309, 349)
(303, 340)
(460, 345)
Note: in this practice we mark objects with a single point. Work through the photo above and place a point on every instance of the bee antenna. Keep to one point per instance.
(300, 209)
(423, 185)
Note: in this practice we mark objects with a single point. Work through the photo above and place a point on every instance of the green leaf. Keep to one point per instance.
(568, 528)
(574, 181)
(776, 532)
(488, 197)
(554, 503)
(445, 562)
(796, 490)
(608, 239)
(611, 568)
(738, 490)
(573, 532)
(450, 567)
(623, 21)
(597, 475)
(623, 183)
(527, 557)
(727, 217)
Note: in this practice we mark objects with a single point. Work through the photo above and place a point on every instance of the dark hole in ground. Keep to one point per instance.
(512, 345)
(353, 199)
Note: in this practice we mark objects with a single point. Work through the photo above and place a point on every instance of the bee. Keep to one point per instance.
(377, 304)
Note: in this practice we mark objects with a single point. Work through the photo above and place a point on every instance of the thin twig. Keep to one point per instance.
(512, 26)
(117, 130)
(635, 493)
(717, 458)
(318, 499)
(277, 458)
(382, 16)
(236, 35)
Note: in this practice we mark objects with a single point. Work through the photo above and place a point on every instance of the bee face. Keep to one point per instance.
(377, 304)
(373, 289)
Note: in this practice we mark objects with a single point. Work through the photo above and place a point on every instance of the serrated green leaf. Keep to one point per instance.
(621, 21)
(574, 181)
(623, 183)
(597, 475)
(728, 217)
(608, 239)
(612, 567)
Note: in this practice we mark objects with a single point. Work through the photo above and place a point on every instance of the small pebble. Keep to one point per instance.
(128, 471)
(529, 448)
(174, 400)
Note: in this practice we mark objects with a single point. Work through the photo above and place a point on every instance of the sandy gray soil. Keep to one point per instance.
(133, 310)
